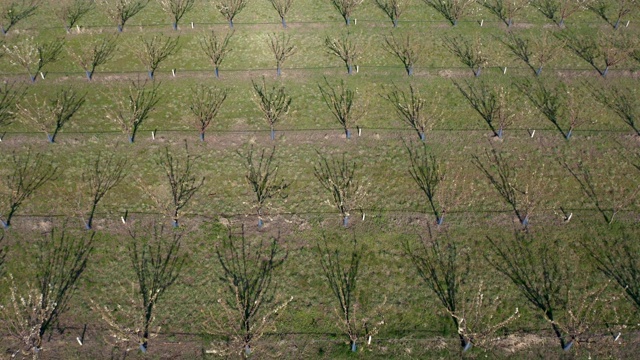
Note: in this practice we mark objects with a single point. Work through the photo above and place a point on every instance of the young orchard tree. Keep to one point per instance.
(216, 48)
(14, 11)
(9, 94)
(346, 8)
(411, 107)
(120, 11)
(502, 176)
(558, 10)
(136, 107)
(34, 308)
(273, 101)
(176, 9)
(444, 264)
(33, 56)
(205, 104)
(452, 10)
(27, 174)
(183, 183)
(96, 54)
(99, 177)
(490, 102)
(505, 10)
(51, 115)
(407, 51)
(262, 176)
(468, 52)
(556, 102)
(70, 12)
(603, 52)
(341, 101)
(539, 273)
(393, 9)
(282, 7)
(157, 262)
(535, 52)
(612, 11)
(621, 99)
(156, 50)
(606, 193)
(344, 48)
(230, 8)
(427, 172)
(252, 300)
(614, 253)
(282, 49)
(341, 270)
(338, 177)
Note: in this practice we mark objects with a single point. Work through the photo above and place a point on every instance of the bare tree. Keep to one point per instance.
(468, 52)
(9, 94)
(341, 270)
(72, 11)
(393, 9)
(535, 52)
(262, 176)
(558, 10)
(490, 102)
(338, 177)
(136, 107)
(612, 11)
(100, 176)
(251, 303)
(120, 11)
(33, 56)
(14, 11)
(342, 103)
(427, 172)
(60, 261)
(603, 52)
(51, 115)
(411, 107)
(156, 50)
(183, 183)
(444, 265)
(205, 104)
(613, 253)
(407, 51)
(176, 9)
(216, 48)
(273, 101)
(230, 8)
(505, 10)
(282, 49)
(452, 10)
(157, 261)
(556, 102)
(540, 274)
(28, 173)
(345, 48)
(282, 7)
(96, 54)
(623, 100)
(502, 175)
(346, 8)
(607, 196)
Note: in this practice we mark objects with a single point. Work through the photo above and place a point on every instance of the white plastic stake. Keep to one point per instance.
(357, 69)
(359, 131)
(123, 220)
(628, 21)
(504, 72)
(78, 28)
(42, 75)
(173, 72)
(363, 216)
(355, 21)
(617, 336)
(153, 135)
(192, 26)
(481, 22)
(533, 133)
(369, 340)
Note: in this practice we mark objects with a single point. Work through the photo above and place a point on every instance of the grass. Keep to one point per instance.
(394, 212)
